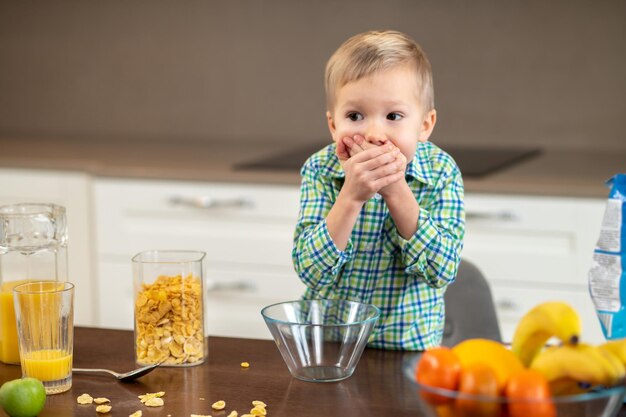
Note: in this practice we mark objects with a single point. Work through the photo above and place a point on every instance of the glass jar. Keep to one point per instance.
(33, 247)
(169, 308)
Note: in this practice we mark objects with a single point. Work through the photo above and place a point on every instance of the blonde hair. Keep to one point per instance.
(366, 53)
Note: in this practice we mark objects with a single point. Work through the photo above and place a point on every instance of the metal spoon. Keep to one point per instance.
(124, 377)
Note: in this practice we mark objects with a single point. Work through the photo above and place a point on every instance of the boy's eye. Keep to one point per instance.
(355, 116)
(394, 116)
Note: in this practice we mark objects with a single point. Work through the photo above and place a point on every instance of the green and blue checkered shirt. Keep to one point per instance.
(406, 279)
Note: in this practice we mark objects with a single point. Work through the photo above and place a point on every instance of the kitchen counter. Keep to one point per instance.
(377, 388)
(554, 173)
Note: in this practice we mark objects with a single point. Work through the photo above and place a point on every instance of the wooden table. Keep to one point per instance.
(377, 388)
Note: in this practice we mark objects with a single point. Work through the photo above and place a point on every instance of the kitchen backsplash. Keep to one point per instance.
(530, 73)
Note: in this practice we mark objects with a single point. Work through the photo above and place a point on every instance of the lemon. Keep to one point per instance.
(23, 397)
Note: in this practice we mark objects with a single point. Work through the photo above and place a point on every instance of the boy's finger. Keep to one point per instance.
(375, 151)
(341, 151)
(389, 169)
(357, 143)
(360, 140)
(377, 156)
(351, 146)
(349, 143)
(389, 179)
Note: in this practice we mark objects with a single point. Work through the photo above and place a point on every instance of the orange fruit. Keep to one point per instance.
(529, 395)
(478, 379)
(496, 355)
(446, 410)
(440, 368)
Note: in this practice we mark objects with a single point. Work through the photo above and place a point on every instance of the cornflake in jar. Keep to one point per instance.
(169, 322)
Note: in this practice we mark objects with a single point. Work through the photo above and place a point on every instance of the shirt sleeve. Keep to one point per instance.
(316, 259)
(432, 254)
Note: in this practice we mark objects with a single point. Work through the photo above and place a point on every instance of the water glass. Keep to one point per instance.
(44, 311)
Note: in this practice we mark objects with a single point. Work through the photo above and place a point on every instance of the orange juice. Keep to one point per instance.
(9, 352)
(47, 365)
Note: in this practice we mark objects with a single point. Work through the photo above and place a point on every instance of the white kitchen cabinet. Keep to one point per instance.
(530, 248)
(533, 249)
(246, 231)
(73, 191)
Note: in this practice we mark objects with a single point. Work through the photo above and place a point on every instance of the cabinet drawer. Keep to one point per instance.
(532, 239)
(513, 301)
(235, 301)
(233, 223)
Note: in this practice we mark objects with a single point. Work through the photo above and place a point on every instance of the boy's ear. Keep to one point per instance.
(331, 124)
(428, 124)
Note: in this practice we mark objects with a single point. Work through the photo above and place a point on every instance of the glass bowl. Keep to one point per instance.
(438, 402)
(321, 340)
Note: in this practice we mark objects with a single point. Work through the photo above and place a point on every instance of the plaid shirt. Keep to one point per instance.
(406, 279)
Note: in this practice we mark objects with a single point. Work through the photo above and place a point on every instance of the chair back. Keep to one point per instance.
(470, 310)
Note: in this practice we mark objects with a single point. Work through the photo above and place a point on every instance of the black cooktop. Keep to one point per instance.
(475, 161)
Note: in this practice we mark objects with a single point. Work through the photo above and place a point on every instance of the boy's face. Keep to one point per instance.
(382, 107)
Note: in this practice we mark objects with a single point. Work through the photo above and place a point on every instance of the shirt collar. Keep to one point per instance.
(420, 167)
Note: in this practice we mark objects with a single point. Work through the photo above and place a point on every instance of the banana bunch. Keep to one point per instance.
(617, 348)
(573, 364)
(579, 363)
(546, 320)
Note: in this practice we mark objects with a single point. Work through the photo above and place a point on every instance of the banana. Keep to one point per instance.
(546, 320)
(617, 348)
(581, 362)
(567, 386)
(617, 368)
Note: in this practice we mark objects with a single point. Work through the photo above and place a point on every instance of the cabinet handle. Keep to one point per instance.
(240, 286)
(505, 216)
(210, 203)
(507, 305)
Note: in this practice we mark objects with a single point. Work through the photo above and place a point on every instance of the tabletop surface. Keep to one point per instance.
(377, 388)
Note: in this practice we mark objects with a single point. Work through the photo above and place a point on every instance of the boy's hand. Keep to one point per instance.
(370, 170)
(353, 146)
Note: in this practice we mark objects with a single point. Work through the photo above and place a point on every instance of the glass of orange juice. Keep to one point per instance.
(44, 311)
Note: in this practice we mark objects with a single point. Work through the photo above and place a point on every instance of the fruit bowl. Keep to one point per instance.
(438, 402)
(321, 340)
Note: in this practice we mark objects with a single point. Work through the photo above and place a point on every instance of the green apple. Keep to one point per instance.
(23, 397)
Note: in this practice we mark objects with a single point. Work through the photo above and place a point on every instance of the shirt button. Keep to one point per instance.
(377, 196)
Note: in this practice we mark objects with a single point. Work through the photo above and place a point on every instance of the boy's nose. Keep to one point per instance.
(375, 136)
(375, 139)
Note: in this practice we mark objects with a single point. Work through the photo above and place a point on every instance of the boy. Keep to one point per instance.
(381, 211)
